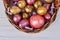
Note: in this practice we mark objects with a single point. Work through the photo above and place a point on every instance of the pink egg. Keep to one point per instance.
(23, 23)
(36, 21)
(16, 18)
(47, 16)
(30, 1)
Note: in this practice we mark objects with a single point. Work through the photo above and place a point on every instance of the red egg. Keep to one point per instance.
(23, 23)
(16, 18)
(30, 1)
(47, 16)
(36, 21)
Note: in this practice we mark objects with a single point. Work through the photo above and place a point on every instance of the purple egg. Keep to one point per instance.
(23, 23)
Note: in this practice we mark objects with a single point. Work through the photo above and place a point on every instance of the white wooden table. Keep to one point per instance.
(9, 32)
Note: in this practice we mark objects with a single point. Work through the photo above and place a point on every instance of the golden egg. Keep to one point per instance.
(28, 8)
(49, 1)
(25, 15)
(15, 9)
(41, 10)
(21, 3)
(37, 4)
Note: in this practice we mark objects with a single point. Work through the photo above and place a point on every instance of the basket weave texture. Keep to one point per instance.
(56, 4)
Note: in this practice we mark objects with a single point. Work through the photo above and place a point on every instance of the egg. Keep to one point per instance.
(25, 15)
(47, 16)
(30, 2)
(21, 3)
(15, 10)
(16, 18)
(37, 21)
(37, 4)
(23, 23)
(49, 1)
(28, 8)
(41, 10)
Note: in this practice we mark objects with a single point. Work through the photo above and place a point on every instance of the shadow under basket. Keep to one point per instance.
(53, 10)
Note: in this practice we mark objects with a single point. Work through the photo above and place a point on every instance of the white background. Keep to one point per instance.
(9, 32)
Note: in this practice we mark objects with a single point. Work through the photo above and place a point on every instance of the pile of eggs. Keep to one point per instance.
(30, 14)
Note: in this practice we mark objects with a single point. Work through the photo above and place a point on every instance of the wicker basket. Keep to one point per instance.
(56, 4)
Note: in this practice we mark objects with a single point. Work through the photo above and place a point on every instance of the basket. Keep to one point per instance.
(56, 7)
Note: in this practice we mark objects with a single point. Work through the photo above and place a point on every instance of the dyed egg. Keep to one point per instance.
(25, 15)
(47, 16)
(15, 10)
(36, 21)
(30, 1)
(47, 6)
(37, 4)
(23, 23)
(28, 8)
(42, 10)
(21, 3)
(16, 18)
(49, 1)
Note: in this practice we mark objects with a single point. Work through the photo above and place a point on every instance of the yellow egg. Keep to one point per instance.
(37, 4)
(15, 9)
(28, 8)
(42, 10)
(21, 3)
(49, 1)
(25, 15)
